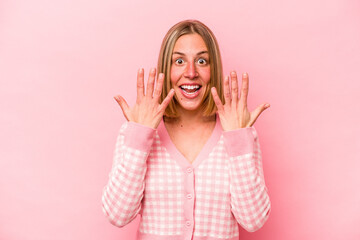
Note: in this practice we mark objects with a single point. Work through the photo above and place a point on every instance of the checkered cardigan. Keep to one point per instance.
(178, 200)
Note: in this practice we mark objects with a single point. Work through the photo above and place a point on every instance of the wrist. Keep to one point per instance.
(146, 125)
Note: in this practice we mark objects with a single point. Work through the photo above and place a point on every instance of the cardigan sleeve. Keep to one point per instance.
(250, 202)
(121, 197)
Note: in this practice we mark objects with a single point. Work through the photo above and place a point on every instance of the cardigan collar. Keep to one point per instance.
(177, 155)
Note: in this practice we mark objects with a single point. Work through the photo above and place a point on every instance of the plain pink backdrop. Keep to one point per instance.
(61, 63)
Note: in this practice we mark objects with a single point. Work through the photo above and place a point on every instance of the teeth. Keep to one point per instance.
(190, 86)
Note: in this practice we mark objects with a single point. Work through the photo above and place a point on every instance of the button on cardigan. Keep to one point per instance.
(179, 200)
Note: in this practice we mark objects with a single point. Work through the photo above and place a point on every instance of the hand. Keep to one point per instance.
(234, 114)
(147, 110)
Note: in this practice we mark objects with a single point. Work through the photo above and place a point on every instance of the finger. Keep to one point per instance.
(256, 113)
(140, 85)
(150, 83)
(227, 93)
(166, 100)
(244, 89)
(159, 85)
(124, 106)
(217, 100)
(234, 86)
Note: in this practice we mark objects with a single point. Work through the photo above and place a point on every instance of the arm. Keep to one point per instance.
(121, 198)
(250, 201)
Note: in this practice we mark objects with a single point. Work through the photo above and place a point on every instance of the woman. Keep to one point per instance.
(188, 158)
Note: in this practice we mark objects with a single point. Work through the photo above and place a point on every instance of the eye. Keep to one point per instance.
(202, 61)
(179, 61)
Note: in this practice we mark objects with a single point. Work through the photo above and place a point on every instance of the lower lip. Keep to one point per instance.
(190, 95)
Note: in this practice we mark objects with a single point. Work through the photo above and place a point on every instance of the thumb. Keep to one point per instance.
(124, 106)
(166, 101)
(217, 100)
(256, 113)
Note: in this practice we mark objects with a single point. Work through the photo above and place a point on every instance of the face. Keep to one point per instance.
(190, 71)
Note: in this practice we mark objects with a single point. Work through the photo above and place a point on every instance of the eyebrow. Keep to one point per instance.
(199, 53)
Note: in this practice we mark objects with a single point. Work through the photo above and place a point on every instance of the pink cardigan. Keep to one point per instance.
(178, 200)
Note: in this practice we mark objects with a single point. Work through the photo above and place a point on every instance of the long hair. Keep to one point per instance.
(216, 72)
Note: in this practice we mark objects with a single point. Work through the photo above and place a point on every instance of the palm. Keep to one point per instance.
(147, 110)
(234, 114)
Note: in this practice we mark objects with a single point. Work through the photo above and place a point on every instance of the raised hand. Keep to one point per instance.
(147, 110)
(234, 114)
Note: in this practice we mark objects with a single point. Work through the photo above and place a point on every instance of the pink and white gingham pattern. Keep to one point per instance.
(177, 200)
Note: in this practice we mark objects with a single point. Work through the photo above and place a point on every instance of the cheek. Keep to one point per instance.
(174, 75)
(206, 74)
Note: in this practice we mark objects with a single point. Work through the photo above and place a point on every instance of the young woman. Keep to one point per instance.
(188, 159)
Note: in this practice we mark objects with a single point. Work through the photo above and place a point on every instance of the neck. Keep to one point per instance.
(191, 118)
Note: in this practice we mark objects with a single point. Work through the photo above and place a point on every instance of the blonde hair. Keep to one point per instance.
(216, 72)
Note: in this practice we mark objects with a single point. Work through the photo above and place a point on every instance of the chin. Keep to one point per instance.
(190, 107)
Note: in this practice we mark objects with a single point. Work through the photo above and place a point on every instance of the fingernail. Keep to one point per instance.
(152, 70)
(245, 74)
(267, 105)
(233, 73)
(140, 70)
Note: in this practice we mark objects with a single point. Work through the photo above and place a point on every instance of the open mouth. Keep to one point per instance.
(190, 89)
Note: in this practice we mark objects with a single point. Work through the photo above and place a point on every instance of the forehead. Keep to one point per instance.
(190, 43)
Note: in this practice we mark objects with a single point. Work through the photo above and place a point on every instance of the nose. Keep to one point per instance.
(191, 71)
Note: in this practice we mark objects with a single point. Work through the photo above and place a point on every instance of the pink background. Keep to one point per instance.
(61, 63)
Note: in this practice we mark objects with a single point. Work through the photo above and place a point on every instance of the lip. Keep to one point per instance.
(190, 95)
(191, 84)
